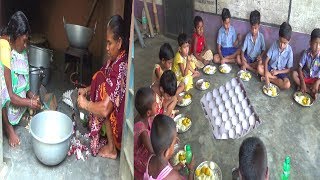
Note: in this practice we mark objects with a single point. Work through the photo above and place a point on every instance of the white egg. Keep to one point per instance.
(237, 89)
(238, 108)
(252, 120)
(231, 112)
(248, 111)
(244, 104)
(224, 136)
(225, 116)
(231, 92)
(209, 97)
(245, 124)
(222, 89)
(211, 105)
(234, 120)
(240, 97)
(222, 129)
(225, 96)
(216, 133)
(227, 104)
(215, 93)
(222, 108)
(215, 112)
(242, 116)
(218, 100)
(232, 133)
(234, 82)
(218, 121)
(239, 128)
(228, 86)
(227, 125)
(234, 100)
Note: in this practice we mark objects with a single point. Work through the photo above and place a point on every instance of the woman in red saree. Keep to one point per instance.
(107, 93)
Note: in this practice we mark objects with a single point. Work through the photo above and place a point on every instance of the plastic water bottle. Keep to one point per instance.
(188, 153)
(286, 169)
(144, 20)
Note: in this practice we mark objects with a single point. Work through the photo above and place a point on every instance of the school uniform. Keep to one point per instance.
(253, 49)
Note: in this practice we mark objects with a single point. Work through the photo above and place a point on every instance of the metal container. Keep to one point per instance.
(36, 76)
(51, 132)
(39, 57)
(78, 36)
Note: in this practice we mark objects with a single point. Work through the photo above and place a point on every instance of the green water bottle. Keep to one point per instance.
(188, 153)
(286, 169)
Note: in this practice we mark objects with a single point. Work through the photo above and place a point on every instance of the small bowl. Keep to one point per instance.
(239, 129)
(222, 89)
(232, 133)
(215, 93)
(225, 116)
(231, 93)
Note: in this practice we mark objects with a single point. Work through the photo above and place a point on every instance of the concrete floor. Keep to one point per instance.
(286, 129)
(22, 162)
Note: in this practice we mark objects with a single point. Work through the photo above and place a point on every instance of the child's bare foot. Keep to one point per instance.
(13, 138)
(108, 151)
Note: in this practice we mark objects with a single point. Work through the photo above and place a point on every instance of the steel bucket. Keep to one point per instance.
(51, 132)
(39, 57)
(79, 36)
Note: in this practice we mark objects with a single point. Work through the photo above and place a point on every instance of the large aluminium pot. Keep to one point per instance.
(78, 36)
(51, 132)
(39, 57)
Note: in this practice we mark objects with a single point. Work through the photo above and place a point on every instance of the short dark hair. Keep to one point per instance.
(18, 26)
(117, 26)
(162, 133)
(253, 159)
(285, 31)
(197, 20)
(182, 39)
(225, 14)
(168, 82)
(166, 52)
(315, 34)
(143, 100)
(254, 17)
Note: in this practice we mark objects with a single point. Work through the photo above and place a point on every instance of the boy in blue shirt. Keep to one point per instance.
(308, 75)
(227, 41)
(253, 47)
(279, 60)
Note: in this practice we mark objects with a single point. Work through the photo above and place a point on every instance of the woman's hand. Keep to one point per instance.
(34, 104)
(82, 102)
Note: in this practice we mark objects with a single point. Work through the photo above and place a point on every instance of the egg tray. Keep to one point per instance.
(229, 111)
